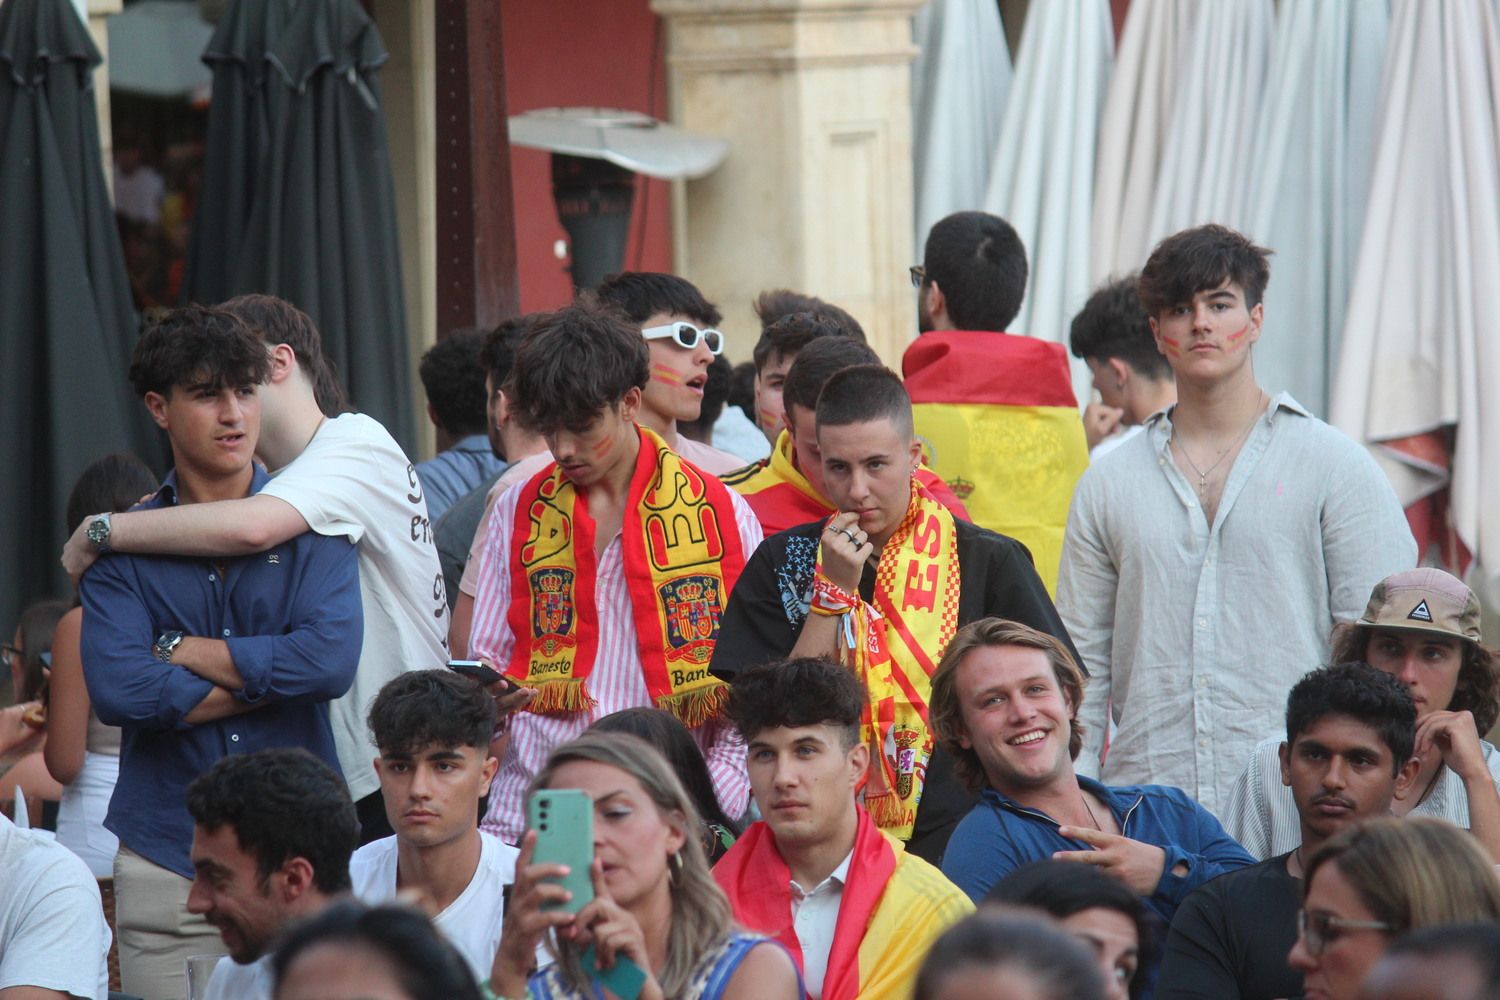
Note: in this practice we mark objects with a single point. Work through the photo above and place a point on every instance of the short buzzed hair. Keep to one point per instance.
(979, 264)
(818, 362)
(864, 393)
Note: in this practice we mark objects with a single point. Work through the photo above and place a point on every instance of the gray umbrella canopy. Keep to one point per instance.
(66, 320)
(298, 173)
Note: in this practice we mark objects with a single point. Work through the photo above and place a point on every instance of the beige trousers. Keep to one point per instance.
(157, 934)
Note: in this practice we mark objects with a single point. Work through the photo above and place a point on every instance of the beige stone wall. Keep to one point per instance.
(99, 10)
(816, 194)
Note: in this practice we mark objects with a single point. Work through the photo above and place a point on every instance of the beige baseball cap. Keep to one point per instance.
(1424, 600)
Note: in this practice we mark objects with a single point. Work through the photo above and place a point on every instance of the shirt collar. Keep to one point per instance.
(166, 493)
(1100, 791)
(1159, 424)
(837, 877)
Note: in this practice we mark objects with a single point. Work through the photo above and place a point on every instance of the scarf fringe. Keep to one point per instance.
(888, 811)
(562, 697)
(694, 708)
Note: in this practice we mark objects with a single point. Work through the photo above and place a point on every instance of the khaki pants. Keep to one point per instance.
(157, 934)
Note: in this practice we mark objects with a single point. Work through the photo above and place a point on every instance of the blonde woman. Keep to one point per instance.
(1372, 882)
(654, 900)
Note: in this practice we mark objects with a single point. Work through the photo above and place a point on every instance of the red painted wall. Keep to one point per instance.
(584, 52)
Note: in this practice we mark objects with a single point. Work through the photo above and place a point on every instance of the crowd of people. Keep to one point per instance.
(905, 685)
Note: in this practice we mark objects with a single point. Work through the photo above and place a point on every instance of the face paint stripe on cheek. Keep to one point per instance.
(662, 373)
(1236, 337)
(599, 450)
(1174, 349)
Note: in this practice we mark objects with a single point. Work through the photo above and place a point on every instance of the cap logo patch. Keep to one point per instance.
(1420, 613)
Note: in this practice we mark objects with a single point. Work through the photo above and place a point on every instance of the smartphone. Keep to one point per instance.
(563, 819)
(481, 672)
(624, 979)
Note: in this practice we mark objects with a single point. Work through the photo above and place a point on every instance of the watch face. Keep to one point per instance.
(99, 530)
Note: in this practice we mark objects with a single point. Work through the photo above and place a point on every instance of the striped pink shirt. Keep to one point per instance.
(616, 681)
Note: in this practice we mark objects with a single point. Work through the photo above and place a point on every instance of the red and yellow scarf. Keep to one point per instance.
(899, 638)
(782, 497)
(682, 555)
(893, 906)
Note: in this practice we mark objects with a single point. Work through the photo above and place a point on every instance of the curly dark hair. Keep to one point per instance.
(575, 363)
(499, 350)
(454, 381)
(194, 345)
(423, 708)
(945, 714)
(1198, 259)
(1478, 688)
(1112, 324)
(281, 804)
(806, 691)
(1364, 694)
(639, 295)
(978, 262)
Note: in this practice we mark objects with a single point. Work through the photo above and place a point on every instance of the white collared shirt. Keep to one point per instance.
(815, 916)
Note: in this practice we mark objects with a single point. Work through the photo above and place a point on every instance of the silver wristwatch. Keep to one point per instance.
(167, 643)
(98, 532)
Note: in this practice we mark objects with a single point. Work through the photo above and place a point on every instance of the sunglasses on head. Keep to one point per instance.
(686, 336)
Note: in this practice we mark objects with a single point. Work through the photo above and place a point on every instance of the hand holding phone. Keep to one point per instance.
(481, 672)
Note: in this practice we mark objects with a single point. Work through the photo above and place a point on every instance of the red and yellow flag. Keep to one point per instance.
(999, 423)
(894, 906)
(782, 497)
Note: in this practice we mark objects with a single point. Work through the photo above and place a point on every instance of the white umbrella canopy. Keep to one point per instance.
(1309, 182)
(1210, 145)
(1043, 176)
(960, 81)
(155, 48)
(1132, 134)
(1420, 359)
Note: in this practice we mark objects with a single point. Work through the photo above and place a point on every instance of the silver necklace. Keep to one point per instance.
(1203, 474)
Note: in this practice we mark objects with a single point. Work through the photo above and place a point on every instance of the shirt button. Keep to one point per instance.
(210, 578)
(1202, 743)
(235, 738)
(1203, 682)
(226, 631)
(1202, 623)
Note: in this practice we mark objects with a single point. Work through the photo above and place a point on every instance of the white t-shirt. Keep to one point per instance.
(233, 981)
(471, 923)
(52, 929)
(353, 479)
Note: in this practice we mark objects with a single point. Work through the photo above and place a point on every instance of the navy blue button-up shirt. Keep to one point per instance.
(293, 622)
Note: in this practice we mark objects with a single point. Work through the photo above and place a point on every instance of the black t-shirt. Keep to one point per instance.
(769, 604)
(1230, 938)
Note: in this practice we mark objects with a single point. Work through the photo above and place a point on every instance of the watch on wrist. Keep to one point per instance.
(167, 643)
(98, 532)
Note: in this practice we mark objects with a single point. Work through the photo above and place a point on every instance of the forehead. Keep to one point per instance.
(870, 437)
(1225, 289)
(990, 666)
(221, 847)
(1330, 891)
(599, 780)
(783, 736)
(1342, 732)
(1413, 638)
(778, 364)
(433, 750)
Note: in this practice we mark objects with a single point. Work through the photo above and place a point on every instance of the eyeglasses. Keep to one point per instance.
(686, 336)
(1319, 930)
(918, 275)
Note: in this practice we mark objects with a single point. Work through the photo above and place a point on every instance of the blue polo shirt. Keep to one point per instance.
(999, 835)
(294, 625)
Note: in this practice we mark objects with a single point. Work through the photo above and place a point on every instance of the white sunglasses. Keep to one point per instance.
(686, 335)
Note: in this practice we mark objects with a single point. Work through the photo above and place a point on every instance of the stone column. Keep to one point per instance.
(98, 11)
(816, 194)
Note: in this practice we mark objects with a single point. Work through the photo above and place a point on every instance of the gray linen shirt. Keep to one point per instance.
(1193, 634)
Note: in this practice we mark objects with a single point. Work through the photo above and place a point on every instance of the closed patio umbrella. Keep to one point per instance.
(66, 321)
(308, 163)
(1420, 359)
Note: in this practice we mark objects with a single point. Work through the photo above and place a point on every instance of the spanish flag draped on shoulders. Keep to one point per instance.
(999, 423)
(894, 905)
(782, 497)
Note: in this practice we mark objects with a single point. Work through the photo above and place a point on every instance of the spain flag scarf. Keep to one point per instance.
(782, 497)
(893, 905)
(897, 640)
(682, 555)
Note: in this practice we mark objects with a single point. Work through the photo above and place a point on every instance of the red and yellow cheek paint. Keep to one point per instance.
(600, 449)
(1174, 349)
(1237, 339)
(667, 374)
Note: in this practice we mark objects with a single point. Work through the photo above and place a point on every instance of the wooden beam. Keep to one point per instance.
(476, 232)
